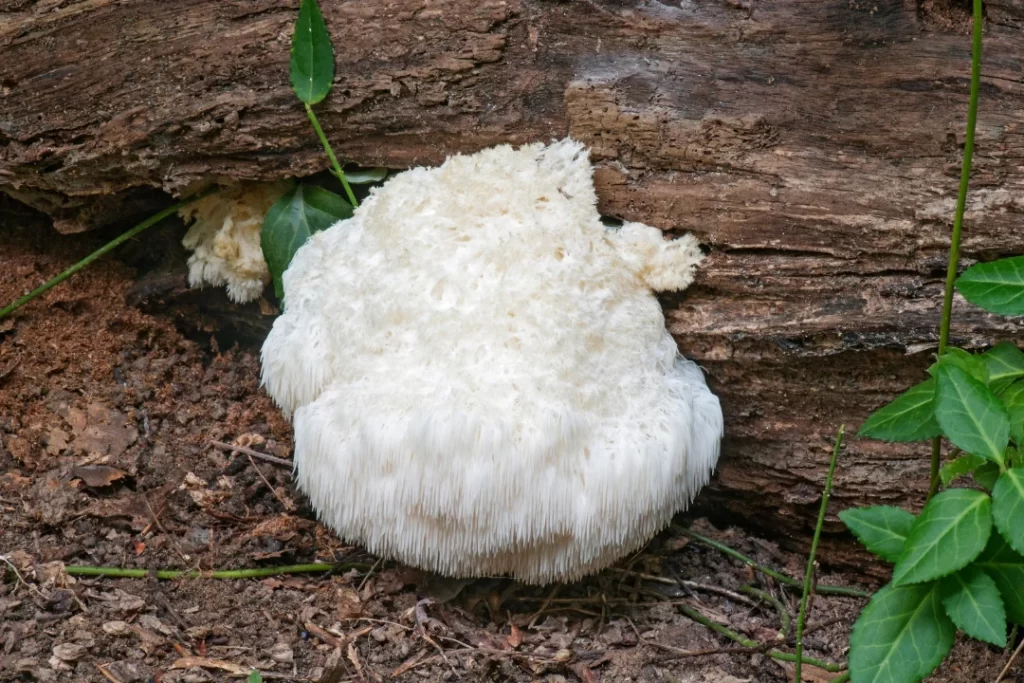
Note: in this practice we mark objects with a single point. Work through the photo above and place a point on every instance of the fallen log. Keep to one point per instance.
(812, 145)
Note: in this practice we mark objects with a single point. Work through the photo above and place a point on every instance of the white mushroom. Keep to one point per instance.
(225, 239)
(480, 378)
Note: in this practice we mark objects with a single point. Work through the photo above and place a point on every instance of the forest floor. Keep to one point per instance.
(108, 418)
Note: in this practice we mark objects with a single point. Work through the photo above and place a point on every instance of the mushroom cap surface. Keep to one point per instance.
(480, 377)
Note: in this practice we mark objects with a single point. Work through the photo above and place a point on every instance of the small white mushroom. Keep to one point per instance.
(225, 239)
(480, 377)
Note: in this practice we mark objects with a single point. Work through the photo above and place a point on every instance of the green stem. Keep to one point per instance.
(958, 221)
(842, 678)
(168, 574)
(781, 578)
(102, 251)
(330, 153)
(809, 574)
(747, 642)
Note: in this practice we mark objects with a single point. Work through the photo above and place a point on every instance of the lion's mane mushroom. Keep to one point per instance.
(480, 377)
(225, 239)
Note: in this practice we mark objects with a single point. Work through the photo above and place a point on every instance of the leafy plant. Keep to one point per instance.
(308, 209)
(959, 564)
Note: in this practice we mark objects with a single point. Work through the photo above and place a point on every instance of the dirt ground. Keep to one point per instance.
(108, 417)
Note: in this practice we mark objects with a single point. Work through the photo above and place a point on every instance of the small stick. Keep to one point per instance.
(777, 604)
(107, 675)
(826, 494)
(284, 503)
(256, 454)
(1013, 657)
(544, 606)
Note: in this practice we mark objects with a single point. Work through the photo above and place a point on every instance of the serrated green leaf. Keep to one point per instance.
(1005, 363)
(882, 528)
(987, 474)
(973, 365)
(996, 286)
(1006, 568)
(901, 635)
(305, 210)
(970, 415)
(312, 62)
(1013, 398)
(1008, 507)
(950, 532)
(963, 465)
(973, 602)
(254, 677)
(909, 417)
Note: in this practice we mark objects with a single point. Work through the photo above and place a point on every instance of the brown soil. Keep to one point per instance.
(107, 416)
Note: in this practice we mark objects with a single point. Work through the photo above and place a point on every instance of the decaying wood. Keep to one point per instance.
(813, 145)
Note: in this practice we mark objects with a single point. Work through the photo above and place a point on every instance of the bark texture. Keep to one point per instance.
(813, 145)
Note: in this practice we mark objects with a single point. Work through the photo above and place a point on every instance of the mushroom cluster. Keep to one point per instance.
(479, 375)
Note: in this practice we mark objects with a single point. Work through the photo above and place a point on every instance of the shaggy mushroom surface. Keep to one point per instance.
(480, 377)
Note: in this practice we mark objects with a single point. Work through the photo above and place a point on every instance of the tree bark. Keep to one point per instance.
(813, 145)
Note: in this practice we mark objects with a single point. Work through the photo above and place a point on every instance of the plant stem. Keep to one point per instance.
(842, 678)
(330, 153)
(778, 576)
(808, 575)
(168, 574)
(102, 251)
(746, 642)
(958, 221)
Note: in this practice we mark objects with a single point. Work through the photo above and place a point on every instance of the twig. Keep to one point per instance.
(747, 642)
(170, 574)
(256, 454)
(107, 675)
(369, 574)
(102, 251)
(544, 605)
(826, 494)
(1013, 657)
(778, 576)
(777, 604)
(286, 504)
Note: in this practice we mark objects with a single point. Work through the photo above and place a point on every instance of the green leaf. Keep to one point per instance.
(901, 635)
(950, 532)
(973, 365)
(996, 286)
(291, 220)
(364, 176)
(1005, 363)
(1013, 398)
(882, 529)
(1008, 507)
(963, 465)
(254, 677)
(987, 474)
(312, 64)
(909, 417)
(973, 602)
(971, 416)
(1007, 569)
